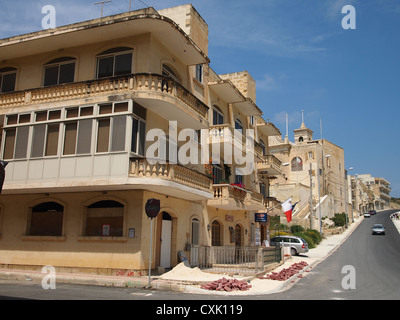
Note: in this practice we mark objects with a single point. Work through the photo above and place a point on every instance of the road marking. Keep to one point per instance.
(337, 291)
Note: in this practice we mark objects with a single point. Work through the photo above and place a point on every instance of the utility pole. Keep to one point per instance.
(102, 4)
(311, 202)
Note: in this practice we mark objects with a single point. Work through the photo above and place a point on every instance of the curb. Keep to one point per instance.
(156, 283)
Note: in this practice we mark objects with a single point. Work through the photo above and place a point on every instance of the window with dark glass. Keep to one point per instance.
(46, 219)
(199, 72)
(238, 125)
(217, 174)
(59, 71)
(8, 77)
(114, 62)
(138, 130)
(218, 116)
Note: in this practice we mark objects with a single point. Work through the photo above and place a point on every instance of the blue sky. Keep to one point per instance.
(301, 58)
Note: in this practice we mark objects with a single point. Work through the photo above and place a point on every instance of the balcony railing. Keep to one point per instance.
(221, 133)
(108, 86)
(232, 197)
(173, 172)
(270, 165)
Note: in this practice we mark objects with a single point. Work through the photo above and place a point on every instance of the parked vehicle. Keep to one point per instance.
(371, 212)
(378, 229)
(297, 244)
(367, 215)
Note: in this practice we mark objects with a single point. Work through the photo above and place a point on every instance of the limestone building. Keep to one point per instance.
(80, 107)
(311, 169)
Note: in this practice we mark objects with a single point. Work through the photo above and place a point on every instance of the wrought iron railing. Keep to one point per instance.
(234, 260)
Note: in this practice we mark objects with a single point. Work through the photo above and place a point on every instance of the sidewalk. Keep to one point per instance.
(188, 283)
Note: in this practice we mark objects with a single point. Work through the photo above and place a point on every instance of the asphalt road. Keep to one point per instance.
(374, 260)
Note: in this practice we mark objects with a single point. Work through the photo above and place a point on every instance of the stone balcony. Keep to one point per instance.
(231, 197)
(270, 165)
(157, 93)
(170, 179)
(225, 133)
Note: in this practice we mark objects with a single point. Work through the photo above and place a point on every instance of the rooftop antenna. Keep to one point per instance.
(287, 130)
(102, 4)
(320, 126)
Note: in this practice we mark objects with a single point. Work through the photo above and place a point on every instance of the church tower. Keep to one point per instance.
(303, 134)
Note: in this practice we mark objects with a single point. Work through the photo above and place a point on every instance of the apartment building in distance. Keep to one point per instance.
(380, 188)
(79, 106)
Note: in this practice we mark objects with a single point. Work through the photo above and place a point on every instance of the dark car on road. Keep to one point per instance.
(372, 212)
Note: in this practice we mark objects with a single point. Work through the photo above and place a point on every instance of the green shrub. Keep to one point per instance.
(296, 228)
(307, 238)
(339, 219)
(315, 235)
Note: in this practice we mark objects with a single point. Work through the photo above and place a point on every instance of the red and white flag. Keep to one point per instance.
(288, 208)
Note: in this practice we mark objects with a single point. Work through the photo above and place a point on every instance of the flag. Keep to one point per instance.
(3, 165)
(288, 209)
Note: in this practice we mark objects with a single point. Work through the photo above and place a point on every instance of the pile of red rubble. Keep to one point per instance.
(227, 285)
(286, 273)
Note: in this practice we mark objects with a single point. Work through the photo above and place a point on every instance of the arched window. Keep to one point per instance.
(238, 236)
(114, 62)
(297, 164)
(7, 79)
(216, 233)
(46, 219)
(218, 116)
(105, 219)
(59, 71)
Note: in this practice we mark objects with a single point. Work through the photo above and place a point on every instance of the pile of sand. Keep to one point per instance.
(183, 273)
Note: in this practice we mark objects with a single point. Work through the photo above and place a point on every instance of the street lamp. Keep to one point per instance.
(345, 195)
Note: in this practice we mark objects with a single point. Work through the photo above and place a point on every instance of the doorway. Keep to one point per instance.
(166, 240)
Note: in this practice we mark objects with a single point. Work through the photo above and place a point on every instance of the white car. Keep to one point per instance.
(378, 229)
(367, 215)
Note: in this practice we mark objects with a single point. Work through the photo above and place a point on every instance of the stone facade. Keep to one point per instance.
(75, 132)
